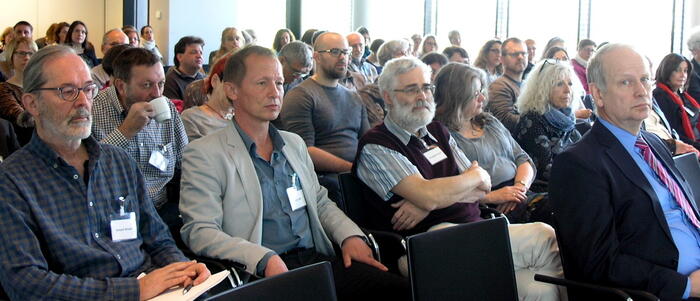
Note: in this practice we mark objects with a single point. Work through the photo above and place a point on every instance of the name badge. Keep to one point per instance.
(434, 154)
(689, 111)
(124, 227)
(158, 160)
(296, 194)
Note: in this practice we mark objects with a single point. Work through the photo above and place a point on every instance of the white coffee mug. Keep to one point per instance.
(161, 108)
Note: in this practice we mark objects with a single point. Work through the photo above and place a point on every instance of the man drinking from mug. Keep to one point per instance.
(124, 117)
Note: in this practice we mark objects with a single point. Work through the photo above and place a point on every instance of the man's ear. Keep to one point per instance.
(119, 85)
(231, 91)
(30, 103)
(597, 95)
(387, 97)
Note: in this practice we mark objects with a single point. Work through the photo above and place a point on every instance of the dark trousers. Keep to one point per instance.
(358, 282)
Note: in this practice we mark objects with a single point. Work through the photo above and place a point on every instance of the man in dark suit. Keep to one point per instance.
(621, 205)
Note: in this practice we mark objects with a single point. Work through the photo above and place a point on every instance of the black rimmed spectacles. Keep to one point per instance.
(335, 51)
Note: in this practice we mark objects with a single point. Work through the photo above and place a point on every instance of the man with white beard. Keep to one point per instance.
(76, 221)
(419, 180)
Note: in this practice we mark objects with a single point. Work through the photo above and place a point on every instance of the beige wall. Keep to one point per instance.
(99, 16)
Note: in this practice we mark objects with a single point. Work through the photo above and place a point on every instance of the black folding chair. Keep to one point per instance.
(465, 262)
(309, 283)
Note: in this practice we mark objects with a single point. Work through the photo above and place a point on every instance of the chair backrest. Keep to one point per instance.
(689, 167)
(354, 204)
(466, 262)
(309, 283)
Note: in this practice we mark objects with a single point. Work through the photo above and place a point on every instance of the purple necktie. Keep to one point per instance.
(667, 180)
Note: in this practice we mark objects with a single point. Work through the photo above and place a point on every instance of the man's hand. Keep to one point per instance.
(275, 266)
(481, 174)
(682, 148)
(354, 248)
(138, 117)
(507, 207)
(505, 195)
(408, 215)
(174, 274)
(695, 284)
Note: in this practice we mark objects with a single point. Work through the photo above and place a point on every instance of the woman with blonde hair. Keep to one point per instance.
(17, 55)
(547, 123)
(231, 40)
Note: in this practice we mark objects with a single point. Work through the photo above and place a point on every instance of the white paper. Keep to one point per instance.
(434, 155)
(175, 293)
(296, 198)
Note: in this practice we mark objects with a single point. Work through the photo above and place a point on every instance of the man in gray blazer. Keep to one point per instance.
(249, 193)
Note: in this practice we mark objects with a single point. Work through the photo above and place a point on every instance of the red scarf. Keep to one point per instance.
(687, 127)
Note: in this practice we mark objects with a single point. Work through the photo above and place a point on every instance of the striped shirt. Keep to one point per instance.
(169, 137)
(382, 168)
(55, 226)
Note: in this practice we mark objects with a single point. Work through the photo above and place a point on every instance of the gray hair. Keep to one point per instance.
(386, 52)
(105, 36)
(34, 71)
(694, 41)
(452, 33)
(545, 75)
(396, 67)
(595, 71)
(297, 52)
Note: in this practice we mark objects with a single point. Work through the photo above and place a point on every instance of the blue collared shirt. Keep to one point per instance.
(55, 226)
(283, 229)
(685, 235)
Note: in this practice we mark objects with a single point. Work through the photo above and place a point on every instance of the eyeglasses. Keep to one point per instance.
(24, 53)
(548, 62)
(70, 93)
(299, 74)
(335, 51)
(415, 90)
(516, 54)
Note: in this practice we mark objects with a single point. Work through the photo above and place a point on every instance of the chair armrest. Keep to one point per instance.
(622, 293)
(386, 246)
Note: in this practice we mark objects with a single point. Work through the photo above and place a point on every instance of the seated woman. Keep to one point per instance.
(556, 53)
(283, 37)
(429, 45)
(547, 123)
(77, 37)
(680, 109)
(459, 96)
(17, 54)
(489, 60)
(148, 41)
(231, 40)
(214, 114)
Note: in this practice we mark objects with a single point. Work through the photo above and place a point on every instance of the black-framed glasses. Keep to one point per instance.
(549, 62)
(335, 51)
(415, 90)
(70, 93)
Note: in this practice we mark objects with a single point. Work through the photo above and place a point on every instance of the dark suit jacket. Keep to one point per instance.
(8, 139)
(694, 81)
(610, 225)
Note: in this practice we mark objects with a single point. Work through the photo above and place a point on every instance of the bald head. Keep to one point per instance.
(113, 38)
(329, 40)
(357, 43)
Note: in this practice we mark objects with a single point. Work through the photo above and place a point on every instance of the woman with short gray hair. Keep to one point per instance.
(547, 122)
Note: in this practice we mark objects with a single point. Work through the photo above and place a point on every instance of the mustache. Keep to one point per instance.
(425, 104)
(81, 113)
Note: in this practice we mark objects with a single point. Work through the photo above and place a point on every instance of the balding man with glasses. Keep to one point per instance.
(329, 117)
(76, 221)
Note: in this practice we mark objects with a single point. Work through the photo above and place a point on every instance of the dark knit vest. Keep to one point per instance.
(382, 210)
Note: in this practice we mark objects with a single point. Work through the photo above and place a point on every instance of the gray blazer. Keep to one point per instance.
(221, 201)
